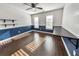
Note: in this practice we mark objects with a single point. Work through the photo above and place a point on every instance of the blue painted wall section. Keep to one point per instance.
(42, 28)
(6, 33)
(70, 46)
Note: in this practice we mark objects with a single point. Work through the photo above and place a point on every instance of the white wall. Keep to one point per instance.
(71, 18)
(8, 11)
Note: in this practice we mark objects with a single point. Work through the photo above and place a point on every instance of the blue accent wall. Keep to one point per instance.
(6, 33)
(42, 28)
(70, 46)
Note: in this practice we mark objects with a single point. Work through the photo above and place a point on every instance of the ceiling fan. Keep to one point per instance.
(33, 6)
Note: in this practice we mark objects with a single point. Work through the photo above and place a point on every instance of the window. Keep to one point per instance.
(49, 22)
(36, 22)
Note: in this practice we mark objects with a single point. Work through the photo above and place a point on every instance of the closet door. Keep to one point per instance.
(49, 22)
(36, 22)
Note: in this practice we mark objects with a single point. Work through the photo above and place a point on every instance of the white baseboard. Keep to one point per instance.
(43, 32)
(65, 47)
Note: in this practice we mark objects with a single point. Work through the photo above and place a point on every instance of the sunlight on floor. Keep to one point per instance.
(20, 52)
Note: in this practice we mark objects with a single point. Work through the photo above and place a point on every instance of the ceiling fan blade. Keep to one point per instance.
(38, 7)
(28, 8)
(27, 4)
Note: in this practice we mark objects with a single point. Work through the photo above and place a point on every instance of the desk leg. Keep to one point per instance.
(77, 44)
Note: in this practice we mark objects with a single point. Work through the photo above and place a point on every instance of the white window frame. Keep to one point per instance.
(36, 22)
(49, 22)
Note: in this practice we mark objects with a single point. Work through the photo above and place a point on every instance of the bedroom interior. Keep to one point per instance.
(39, 29)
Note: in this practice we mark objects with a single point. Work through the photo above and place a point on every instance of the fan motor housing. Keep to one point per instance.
(33, 5)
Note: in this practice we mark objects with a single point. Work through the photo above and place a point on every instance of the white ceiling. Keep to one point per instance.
(45, 6)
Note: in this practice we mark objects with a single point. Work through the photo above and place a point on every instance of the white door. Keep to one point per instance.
(49, 22)
(36, 22)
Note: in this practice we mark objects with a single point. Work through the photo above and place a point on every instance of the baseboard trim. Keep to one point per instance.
(65, 47)
(43, 32)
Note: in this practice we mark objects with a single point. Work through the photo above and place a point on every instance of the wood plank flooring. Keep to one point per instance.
(35, 44)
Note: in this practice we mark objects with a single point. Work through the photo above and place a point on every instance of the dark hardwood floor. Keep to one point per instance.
(35, 44)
